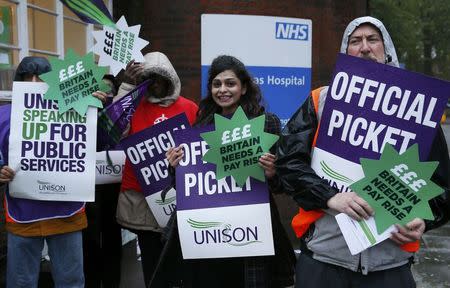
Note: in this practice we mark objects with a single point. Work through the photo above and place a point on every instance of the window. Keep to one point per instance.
(47, 28)
(9, 49)
(42, 28)
(74, 31)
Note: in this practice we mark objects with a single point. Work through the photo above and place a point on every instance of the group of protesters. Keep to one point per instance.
(325, 260)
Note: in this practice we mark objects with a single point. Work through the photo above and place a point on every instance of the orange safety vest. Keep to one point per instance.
(303, 220)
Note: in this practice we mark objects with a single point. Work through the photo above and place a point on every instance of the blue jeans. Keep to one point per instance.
(24, 260)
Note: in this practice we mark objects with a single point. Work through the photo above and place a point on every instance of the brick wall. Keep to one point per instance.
(173, 27)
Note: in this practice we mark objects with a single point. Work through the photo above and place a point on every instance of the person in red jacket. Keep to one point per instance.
(161, 102)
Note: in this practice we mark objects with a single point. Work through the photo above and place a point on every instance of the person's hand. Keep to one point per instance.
(351, 204)
(100, 95)
(6, 174)
(412, 231)
(267, 162)
(133, 73)
(174, 155)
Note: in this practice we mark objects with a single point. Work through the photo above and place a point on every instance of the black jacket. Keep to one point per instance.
(312, 192)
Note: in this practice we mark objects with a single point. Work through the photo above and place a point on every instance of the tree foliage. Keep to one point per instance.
(420, 30)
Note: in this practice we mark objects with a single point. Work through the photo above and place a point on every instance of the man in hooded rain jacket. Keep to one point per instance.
(325, 260)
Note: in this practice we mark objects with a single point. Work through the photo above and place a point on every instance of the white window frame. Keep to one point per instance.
(23, 45)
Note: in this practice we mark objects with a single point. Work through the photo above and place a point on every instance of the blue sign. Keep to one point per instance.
(291, 31)
(281, 68)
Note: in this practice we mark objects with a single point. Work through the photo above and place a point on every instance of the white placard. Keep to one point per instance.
(53, 155)
(106, 173)
(358, 235)
(235, 231)
(162, 210)
(117, 47)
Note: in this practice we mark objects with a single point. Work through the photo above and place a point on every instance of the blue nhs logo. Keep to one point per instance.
(291, 31)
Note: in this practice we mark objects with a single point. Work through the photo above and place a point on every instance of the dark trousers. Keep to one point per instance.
(102, 239)
(311, 273)
(218, 273)
(151, 247)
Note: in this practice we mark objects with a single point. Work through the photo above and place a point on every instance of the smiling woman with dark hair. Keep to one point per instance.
(230, 85)
(250, 98)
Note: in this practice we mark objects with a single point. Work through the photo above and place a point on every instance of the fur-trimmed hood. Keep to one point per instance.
(158, 63)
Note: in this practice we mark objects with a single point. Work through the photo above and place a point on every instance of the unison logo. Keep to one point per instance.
(291, 31)
(48, 187)
(103, 168)
(166, 201)
(218, 232)
(168, 206)
(333, 176)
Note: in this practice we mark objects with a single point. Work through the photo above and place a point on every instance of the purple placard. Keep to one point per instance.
(146, 151)
(195, 177)
(425, 109)
(114, 119)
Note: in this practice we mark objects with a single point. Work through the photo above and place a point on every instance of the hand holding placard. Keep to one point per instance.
(412, 231)
(351, 204)
(236, 146)
(73, 80)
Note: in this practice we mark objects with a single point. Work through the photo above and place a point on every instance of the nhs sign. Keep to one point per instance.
(291, 31)
(281, 68)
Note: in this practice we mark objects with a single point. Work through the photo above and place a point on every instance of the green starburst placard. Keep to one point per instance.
(73, 80)
(398, 187)
(236, 146)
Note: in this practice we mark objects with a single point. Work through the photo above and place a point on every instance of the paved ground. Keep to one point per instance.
(433, 267)
(131, 268)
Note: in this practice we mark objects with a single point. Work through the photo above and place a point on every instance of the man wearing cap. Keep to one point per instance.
(30, 222)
